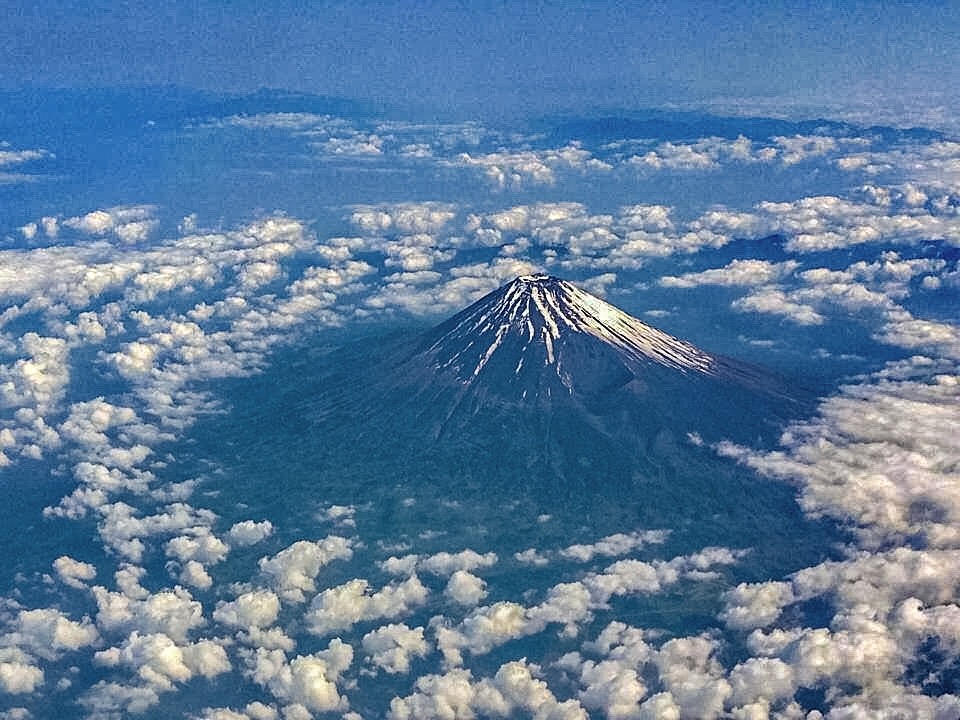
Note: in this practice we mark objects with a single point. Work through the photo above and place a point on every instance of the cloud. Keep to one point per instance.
(173, 613)
(798, 148)
(359, 144)
(906, 331)
(570, 604)
(12, 158)
(170, 351)
(341, 607)
(18, 157)
(39, 380)
(129, 223)
(465, 588)
(252, 711)
(436, 695)
(403, 218)
(515, 688)
(292, 571)
(933, 164)
(649, 231)
(45, 276)
(634, 678)
(336, 138)
(88, 424)
(249, 532)
(610, 687)
(48, 633)
(826, 222)
(737, 272)
(307, 680)
(877, 456)
(173, 350)
(194, 574)
(671, 156)
(110, 699)
(279, 121)
(530, 218)
(467, 285)
(392, 647)
(531, 556)
(515, 169)
(870, 290)
(445, 563)
(613, 545)
(756, 605)
(18, 678)
(202, 546)
(73, 572)
(341, 515)
(254, 609)
(713, 153)
(161, 663)
(761, 681)
(693, 676)
(123, 530)
(773, 301)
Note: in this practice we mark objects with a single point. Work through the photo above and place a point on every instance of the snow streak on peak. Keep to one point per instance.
(536, 316)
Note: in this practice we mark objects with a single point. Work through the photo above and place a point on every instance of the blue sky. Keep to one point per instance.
(474, 58)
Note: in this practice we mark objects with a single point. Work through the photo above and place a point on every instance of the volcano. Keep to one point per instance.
(538, 336)
(543, 373)
(540, 347)
(545, 398)
(542, 334)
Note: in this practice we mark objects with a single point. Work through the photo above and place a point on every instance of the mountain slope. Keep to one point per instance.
(537, 319)
(539, 334)
(543, 349)
(537, 401)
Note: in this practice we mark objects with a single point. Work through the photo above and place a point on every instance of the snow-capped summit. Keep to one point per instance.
(540, 353)
(538, 327)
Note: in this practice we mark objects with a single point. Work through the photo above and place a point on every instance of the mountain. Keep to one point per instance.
(543, 348)
(539, 400)
(536, 377)
(542, 335)
(539, 335)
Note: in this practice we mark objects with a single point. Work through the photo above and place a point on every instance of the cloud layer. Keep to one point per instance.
(118, 333)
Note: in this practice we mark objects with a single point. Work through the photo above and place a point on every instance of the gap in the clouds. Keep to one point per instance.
(818, 357)
(933, 670)
(940, 302)
(25, 535)
(280, 463)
